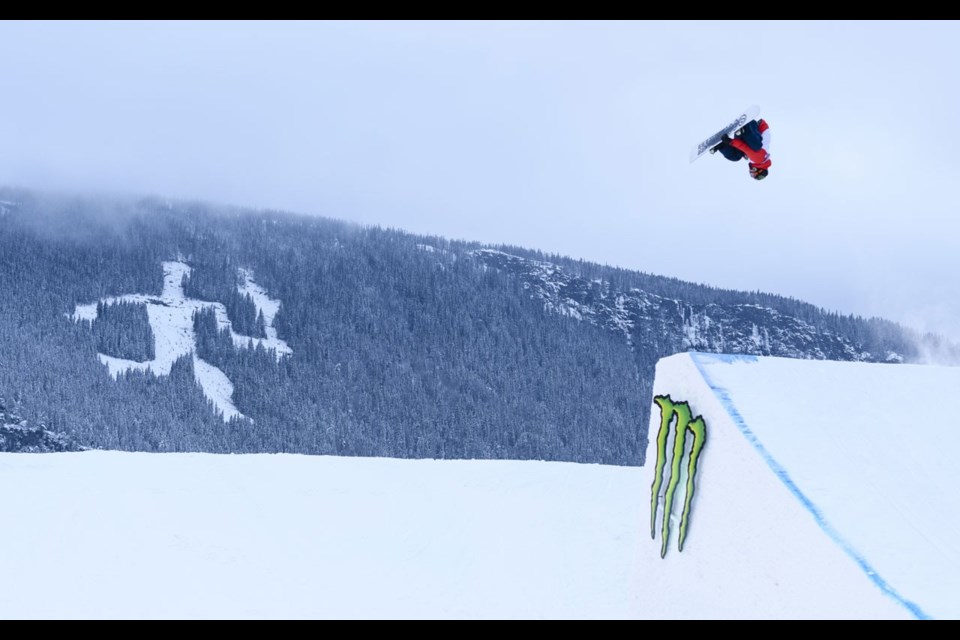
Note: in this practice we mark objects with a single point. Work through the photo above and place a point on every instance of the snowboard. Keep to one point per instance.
(749, 114)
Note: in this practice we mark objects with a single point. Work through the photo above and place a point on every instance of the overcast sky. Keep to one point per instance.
(569, 137)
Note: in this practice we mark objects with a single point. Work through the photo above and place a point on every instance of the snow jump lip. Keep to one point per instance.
(703, 362)
(802, 482)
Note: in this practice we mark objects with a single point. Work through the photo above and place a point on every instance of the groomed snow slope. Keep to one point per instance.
(824, 489)
(134, 535)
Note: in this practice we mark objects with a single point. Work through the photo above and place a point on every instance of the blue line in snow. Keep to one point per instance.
(699, 359)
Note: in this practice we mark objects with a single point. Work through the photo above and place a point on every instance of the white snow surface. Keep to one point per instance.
(171, 319)
(824, 490)
(136, 535)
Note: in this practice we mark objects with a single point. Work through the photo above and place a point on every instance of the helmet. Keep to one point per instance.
(757, 173)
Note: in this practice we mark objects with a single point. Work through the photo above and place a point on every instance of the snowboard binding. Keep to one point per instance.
(726, 139)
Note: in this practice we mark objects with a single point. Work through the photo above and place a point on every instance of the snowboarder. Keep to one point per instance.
(751, 141)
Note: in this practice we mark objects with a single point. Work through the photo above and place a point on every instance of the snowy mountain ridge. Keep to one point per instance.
(644, 318)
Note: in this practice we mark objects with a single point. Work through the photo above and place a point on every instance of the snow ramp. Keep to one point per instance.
(803, 489)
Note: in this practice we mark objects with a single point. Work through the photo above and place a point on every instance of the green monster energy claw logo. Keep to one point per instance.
(678, 415)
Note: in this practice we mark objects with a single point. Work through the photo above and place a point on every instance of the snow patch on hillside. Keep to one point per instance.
(171, 319)
(269, 307)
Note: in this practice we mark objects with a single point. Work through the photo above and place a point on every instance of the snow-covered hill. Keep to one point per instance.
(400, 345)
